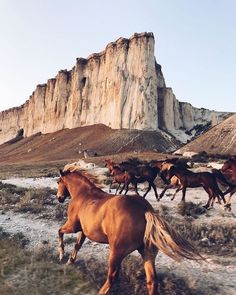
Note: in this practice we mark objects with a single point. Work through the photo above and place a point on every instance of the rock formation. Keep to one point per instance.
(122, 87)
(220, 139)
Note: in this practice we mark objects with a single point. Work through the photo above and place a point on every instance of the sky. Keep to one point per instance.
(195, 42)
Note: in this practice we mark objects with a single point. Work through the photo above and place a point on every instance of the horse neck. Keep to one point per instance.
(78, 186)
(179, 172)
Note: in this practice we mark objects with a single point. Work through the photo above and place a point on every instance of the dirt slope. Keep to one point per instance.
(221, 139)
(70, 143)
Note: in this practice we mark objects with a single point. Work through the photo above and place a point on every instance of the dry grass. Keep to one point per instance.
(212, 238)
(190, 209)
(24, 272)
(25, 200)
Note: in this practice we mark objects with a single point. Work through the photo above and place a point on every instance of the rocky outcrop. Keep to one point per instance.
(183, 120)
(122, 87)
(220, 139)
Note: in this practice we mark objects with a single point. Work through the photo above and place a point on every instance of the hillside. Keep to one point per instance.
(69, 144)
(220, 139)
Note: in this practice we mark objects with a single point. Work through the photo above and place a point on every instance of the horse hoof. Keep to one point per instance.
(70, 261)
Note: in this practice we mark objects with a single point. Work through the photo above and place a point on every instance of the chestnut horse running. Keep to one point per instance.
(126, 223)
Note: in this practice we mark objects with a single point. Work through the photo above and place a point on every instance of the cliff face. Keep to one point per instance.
(121, 87)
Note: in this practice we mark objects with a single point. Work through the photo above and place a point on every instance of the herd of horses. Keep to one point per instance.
(175, 173)
(129, 223)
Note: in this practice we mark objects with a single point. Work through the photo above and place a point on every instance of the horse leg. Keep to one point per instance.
(115, 259)
(155, 190)
(111, 183)
(117, 188)
(127, 188)
(65, 229)
(211, 197)
(120, 192)
(178, 189)
(164, 190)
(183, 193)
(136, 188)
(228, 203)
(80, 240)
(149, 257)
(149, 187)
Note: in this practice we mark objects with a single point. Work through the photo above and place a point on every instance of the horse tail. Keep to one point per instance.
(159, 234)
(219, 175)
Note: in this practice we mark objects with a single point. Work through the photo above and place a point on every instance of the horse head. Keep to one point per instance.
(228, 164)
(171, 172)
(62, 191)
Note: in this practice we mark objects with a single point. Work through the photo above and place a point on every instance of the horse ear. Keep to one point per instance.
(62, 173)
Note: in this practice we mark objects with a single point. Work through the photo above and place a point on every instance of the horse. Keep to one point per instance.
(191, 179)
(133, 174)
(230, 166)
(126, 223)
(164, 166)
(120, 177)
(229, 171)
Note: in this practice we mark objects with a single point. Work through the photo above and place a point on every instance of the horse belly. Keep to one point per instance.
(192, 183)
(94, 232)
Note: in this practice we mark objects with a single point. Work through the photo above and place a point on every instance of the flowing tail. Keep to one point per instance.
(159, 234)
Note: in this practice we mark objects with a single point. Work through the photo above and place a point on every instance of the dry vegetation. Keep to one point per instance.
(21, 271)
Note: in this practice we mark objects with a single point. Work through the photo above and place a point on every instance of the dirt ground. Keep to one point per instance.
(215, 234)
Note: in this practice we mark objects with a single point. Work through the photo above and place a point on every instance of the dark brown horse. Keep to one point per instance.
(126, 223)
(191, 179)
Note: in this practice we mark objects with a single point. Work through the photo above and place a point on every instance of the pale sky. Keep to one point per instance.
(195, 43)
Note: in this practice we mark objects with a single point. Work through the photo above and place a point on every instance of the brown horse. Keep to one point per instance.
(229, 170)
(191, 179)
(133, 174)
(164, 167)
(125, 223)
(120, 177)
(230, 167)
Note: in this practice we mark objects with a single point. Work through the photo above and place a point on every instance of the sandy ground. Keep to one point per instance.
(219, 271)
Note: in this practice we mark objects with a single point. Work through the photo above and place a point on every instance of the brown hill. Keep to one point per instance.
(220, 139)
(69, 144)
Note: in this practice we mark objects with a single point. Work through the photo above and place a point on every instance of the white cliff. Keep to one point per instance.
(122, 87)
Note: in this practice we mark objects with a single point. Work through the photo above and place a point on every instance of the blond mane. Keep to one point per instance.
(73, 168)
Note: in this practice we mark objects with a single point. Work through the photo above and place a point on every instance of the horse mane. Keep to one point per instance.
(72, 168)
